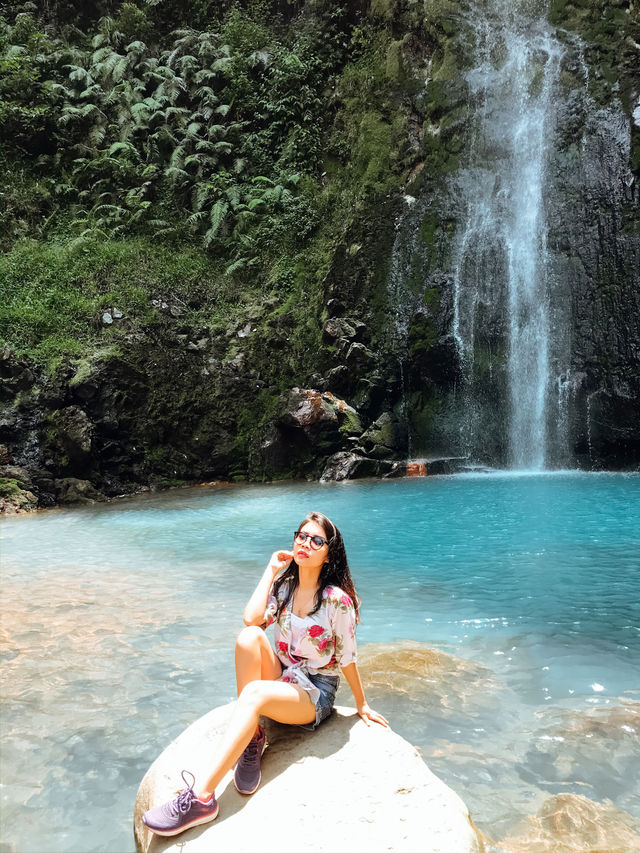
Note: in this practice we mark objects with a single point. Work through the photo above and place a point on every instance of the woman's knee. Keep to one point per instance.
(254, 694)
(250, 637)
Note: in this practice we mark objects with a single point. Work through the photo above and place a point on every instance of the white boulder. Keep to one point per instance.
(345, 787)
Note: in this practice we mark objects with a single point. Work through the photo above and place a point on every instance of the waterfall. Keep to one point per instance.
(501, 288)
(517, 251)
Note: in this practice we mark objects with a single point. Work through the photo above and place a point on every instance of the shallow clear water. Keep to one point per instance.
(119, 623)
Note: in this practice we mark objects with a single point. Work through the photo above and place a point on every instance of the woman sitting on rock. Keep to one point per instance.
(309, 594)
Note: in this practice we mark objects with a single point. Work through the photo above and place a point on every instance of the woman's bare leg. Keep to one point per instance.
(255, 659)
(284, 702)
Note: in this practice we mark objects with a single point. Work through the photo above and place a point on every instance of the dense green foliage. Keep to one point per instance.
(53, 291)
(251, 139)
(200, 204)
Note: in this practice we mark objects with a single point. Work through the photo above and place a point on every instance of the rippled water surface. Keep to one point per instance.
(512, 604)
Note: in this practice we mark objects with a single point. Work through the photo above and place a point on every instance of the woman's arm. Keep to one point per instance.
(353, 678)
(257, 604)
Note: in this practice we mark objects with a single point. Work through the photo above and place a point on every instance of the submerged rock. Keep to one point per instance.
(440, 682)
(576, 824)
(598, 746)
(346, 786)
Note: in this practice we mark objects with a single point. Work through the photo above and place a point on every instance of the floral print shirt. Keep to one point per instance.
(325, 645)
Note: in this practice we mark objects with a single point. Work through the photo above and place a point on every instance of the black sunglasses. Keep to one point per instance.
(315, 541)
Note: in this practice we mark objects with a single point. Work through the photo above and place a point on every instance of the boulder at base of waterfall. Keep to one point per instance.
(381, 439)
(345, 786)
(310, 426)
(346, 465)
(71, 490)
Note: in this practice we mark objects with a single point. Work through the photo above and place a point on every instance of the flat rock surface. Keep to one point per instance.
(344, 787)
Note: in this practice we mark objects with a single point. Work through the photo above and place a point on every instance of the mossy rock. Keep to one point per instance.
(440, 16)
(9, 488)
(374, 148)
(384, 9)
(351, 423)
(14, 499)
(423, 334)
(395, 67)
(380, 438)
(424, 407)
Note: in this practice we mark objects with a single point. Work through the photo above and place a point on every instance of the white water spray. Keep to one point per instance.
(501, 262)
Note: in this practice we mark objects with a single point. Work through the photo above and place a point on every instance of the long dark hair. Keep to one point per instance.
(335, 571)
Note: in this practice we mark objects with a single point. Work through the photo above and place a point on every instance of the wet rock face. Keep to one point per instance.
(71, 441)
(164, 416)
(381, 439)
(591, 276)
(596, 245)
(122, 423)
(167, 414)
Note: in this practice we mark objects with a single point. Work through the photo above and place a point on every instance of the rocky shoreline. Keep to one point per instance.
(17, 497)
(87, 433)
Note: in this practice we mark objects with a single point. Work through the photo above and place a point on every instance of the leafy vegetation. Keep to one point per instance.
(251, 139)
(54, 294)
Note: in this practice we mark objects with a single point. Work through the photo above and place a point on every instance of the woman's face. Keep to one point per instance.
(306, 553)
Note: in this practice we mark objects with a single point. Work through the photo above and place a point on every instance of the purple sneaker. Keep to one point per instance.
(181, 813)
(246, 776)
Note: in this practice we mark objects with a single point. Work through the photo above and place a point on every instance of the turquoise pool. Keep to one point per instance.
(119, 623)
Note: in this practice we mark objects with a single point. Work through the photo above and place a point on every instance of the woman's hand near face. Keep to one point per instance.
(279, 561)
(255, 609)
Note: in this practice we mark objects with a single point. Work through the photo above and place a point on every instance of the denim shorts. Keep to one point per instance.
(327, 685)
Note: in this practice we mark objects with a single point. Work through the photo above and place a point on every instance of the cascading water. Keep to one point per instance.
(501, 304)
(516, 251)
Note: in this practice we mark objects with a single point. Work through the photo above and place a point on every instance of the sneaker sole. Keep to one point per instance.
(198, 822)
(253, 790)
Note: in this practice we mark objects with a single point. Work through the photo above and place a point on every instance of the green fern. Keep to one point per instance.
(217, 217)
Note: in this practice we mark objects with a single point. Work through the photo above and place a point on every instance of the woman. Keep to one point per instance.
(309, 594)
